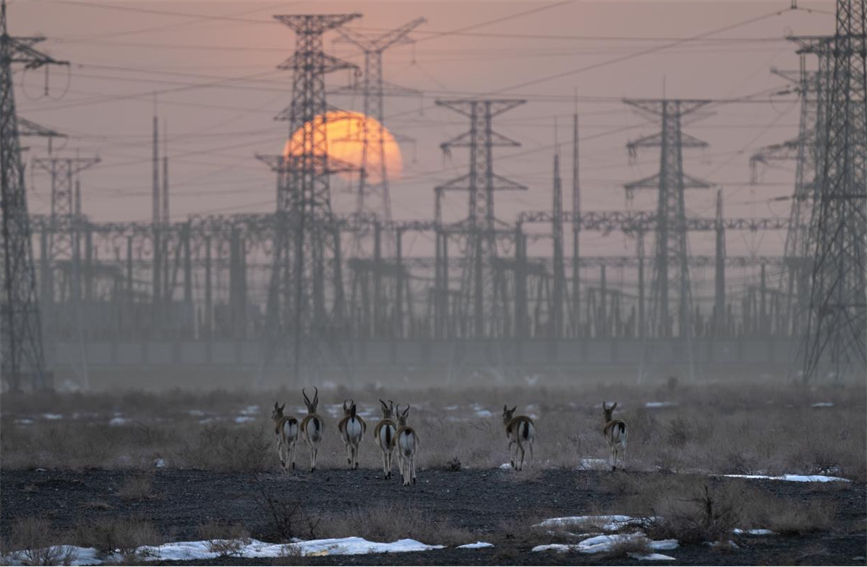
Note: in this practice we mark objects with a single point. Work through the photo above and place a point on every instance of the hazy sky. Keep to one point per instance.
(213, 65)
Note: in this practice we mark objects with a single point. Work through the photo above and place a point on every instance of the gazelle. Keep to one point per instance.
(407, 445)
(385, 436)
(520, 431)
(352, 429)
(615, 434)
(286, 428)
(312, 426)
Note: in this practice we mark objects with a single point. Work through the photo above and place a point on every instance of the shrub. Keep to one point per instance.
(34, 541)
(136, 487)
(287, 518)
(111, 535)
(224, 539)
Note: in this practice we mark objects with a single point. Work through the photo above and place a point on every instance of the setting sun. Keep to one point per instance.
(344, 133)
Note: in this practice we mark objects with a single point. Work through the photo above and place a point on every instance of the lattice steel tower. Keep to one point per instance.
(481, 223)
(373, 89)
(671, 272)
(22, 351)
(305, 301)
(835, 346)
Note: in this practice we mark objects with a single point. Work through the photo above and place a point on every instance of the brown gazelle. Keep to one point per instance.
(520, 431)
(312, 426)
(352, 429)
(286, 428)
(615, 434)
(407, 445)
(385, 436)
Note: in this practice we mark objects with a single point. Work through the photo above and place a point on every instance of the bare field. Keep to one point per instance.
(118, 470)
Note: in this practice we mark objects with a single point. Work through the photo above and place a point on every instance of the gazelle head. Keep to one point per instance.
(508, 414)
(401, 417)
(608, 411)
(349, 408)
(387, 409)
(277, 412)
(311, 406)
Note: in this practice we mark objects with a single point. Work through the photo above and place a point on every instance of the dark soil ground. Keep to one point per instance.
(481, 501)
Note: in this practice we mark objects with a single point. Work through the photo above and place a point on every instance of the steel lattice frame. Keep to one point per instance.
(23, 358)
(835, 346)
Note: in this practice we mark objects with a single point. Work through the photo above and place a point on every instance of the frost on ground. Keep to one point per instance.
(200, 550)
(593, 464)
(791, 477)
(659, 404)
(605, 543)
(756, 532)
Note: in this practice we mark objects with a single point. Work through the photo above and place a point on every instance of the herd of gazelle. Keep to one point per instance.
(393, 434)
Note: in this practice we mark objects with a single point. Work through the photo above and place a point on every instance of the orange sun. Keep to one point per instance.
(344, 134)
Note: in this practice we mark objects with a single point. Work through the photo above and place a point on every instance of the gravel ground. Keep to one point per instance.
(480, 501)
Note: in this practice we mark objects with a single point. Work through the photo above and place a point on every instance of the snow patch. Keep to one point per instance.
(659, 404)
(477, 545)
(604, 543)
(52, 416)
(198, 550)
(484, 413)
(592, 464)
(250, 410)
(791, 477)
(651, 557)
(611, 523)
(24, 421)
(116, 421)
(160, 463)
(244, 419)
(822, 405)
(758, 531)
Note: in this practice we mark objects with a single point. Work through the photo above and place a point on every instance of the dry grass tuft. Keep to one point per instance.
(623, 546)
(136, 487)
(229, 449)
(35, 542)
(111, 535)
(223, 538)
(287, 518)
(387, 522)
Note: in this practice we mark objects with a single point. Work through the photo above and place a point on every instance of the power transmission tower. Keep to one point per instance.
(671, 270)
(21, 329)
(64, 245)
(558, 293)
(576, 231)
(307, 240)
(834, 346)
(373, 89)
(481, 182)
(804, 150)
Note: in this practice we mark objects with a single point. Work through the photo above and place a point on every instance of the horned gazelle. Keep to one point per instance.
(407, 445)
(615, 434)
(352, 429)
(286, 428)
(520, 431)
(312, 426)
(385, 436)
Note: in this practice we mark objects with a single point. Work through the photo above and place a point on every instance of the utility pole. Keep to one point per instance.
(558, 293)
(21, 348)
(834, 346)
(307, 239)
(671, 269)
(481, 182)
(719, 296)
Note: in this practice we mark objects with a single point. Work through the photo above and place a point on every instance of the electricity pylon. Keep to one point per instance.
(671, 270)
(22, 351)
(373, 88)
(481, 182)
(307, 240)
(834, 346)
(64, 245)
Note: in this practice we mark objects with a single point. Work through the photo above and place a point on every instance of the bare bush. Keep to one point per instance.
(223, 538)
(287, 518)
(624, 546)
(34, 542)
(111, 535)
(707, 515)
(228, 449)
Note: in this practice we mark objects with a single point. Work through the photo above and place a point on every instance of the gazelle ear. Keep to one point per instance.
(276, 406)
(614, 406)
(604, 405)
(505, 408)
(514, 408)
(283, 406)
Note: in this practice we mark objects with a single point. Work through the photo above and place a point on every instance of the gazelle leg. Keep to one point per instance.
(512, 454)
(293, 449)
(532, 458)
(413, 469)
(521, 447)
